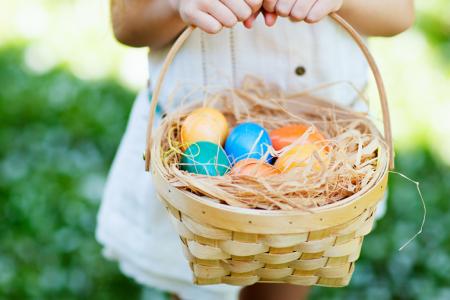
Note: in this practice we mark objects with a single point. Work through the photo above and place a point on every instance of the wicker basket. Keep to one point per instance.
(238, 246)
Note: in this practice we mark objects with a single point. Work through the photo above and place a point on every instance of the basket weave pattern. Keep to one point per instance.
(324, 257)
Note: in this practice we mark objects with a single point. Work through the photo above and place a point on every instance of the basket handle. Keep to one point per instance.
(340, 21)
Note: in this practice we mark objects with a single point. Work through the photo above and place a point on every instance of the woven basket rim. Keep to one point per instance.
(251, 211)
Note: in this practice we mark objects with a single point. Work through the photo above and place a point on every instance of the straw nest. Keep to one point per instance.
(353, 161)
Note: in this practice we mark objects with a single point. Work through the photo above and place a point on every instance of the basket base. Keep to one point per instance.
(323, 258)
(342, 277)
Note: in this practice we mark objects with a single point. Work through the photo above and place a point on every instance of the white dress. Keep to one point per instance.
(133, 226)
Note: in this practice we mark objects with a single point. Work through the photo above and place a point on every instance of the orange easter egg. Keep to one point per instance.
(286, 135)
(253, 167)
(300, 156)
(204, 124)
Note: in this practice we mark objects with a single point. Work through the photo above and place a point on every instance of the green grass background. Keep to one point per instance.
(58, 136)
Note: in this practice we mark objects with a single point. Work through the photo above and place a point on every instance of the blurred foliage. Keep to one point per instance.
(421, 270)
(434, 21)
(58, 137)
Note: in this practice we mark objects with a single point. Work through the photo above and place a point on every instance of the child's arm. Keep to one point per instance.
(379, 17)
(369, 17)
(156, 23)
(141, 23)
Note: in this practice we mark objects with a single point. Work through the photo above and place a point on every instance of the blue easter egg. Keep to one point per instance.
(248, 140)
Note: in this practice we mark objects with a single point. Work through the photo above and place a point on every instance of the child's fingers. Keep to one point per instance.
(270, 18)
(239, 7)
(204, 21)
(255, 5)
(249, 22)
(269, 5)
(301, 9)
(321, 9)
(222, 13)
(284, 7)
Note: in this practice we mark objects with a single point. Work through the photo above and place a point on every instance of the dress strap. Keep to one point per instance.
(232, 43)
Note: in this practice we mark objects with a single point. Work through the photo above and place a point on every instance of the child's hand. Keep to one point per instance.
(212, 15)
(311, 11)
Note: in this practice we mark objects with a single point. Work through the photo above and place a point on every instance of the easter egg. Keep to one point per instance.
(205, 158)
(204, 124)
(253, 167)
(301, 156)
(248, 140)
(286, 135)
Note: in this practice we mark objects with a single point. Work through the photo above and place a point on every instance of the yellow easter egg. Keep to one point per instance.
(301, 156)
(204, 124)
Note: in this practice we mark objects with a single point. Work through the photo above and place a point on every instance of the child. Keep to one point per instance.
(132, 225)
